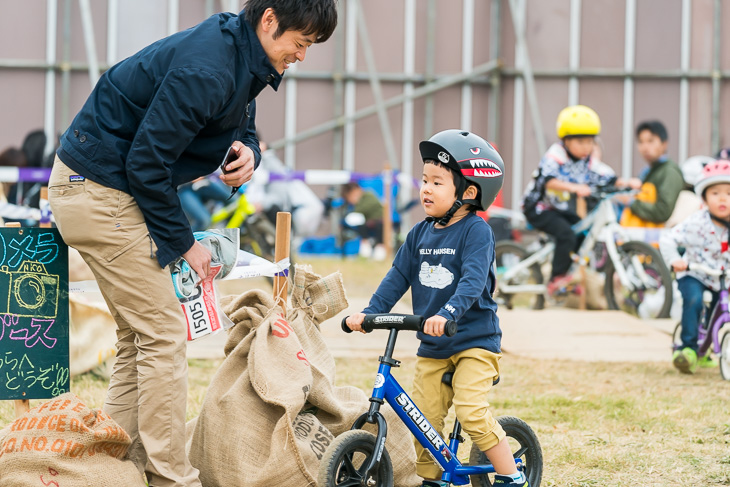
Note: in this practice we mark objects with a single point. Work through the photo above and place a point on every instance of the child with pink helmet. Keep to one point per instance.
(704, 236)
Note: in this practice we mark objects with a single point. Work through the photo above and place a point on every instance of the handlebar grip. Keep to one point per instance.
(450, 328)
(386, 321)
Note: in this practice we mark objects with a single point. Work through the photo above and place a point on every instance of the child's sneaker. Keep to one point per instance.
(505, 481)
(558, 285)
(434, 483)
(707, 362)
(685, 360)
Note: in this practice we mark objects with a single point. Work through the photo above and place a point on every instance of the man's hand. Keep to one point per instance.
(198, 258)
(434, 326)
(679, 265)
(354, 322)
(240, 171)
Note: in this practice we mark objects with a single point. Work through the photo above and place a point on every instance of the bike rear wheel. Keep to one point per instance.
(346, 458)
(725, 356)
(652, 300)
(524, 445)
(508, 254)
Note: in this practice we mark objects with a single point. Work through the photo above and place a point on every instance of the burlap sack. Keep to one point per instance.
(92, 331)
(92, 337)
(64, 443)
(272, 408)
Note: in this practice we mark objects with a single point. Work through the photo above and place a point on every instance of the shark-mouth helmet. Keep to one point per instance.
(470, 156)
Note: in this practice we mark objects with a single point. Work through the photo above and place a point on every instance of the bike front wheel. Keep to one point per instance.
(649, 291)
(509, 254)
(524, 445)
(347, 457)
(677, 337)
(725, 356)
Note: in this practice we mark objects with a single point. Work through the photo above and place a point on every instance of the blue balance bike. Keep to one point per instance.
(358, 458)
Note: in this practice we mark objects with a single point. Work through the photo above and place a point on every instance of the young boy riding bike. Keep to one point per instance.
(704, 236)
(568, 167)
(448, 262)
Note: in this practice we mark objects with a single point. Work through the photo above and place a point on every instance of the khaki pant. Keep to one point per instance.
(148, 389)
(474, 370)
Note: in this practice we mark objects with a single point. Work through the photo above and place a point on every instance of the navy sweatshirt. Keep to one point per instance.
(451, 273)
(167, 115)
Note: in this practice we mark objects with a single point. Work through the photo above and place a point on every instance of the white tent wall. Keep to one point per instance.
(631, 60)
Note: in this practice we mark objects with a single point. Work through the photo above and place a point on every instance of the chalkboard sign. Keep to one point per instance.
(33, 314)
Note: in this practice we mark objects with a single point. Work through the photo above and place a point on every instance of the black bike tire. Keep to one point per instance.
(509, 246)
(524, 435)
(664, 275)
(346, 444)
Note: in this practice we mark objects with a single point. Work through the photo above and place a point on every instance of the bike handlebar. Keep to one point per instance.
(387, 321)
(695, 266)
(604, 191)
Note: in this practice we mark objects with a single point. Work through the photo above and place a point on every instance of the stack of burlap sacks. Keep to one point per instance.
(269, 414)
(64, 443)
(272, 408)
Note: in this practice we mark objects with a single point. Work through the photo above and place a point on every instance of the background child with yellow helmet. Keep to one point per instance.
(568, 168)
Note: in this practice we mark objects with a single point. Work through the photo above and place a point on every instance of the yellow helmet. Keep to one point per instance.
(578, 120)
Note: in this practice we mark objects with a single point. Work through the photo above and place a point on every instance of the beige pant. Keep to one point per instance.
(148, 389)
(474, 370)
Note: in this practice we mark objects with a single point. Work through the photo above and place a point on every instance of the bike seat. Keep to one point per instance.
(448, 377)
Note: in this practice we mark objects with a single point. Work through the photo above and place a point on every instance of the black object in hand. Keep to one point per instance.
(231, 155)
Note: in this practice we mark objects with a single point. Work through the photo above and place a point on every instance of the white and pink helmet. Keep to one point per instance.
(715, 172)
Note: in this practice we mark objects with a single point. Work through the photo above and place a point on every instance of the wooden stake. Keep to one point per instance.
(580, 207)
(582, 299)
(281, 252)
(22, 406)
(44, 206)
(387, 212)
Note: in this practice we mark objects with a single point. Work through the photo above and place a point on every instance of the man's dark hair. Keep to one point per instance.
(655, 127)
(317, 17)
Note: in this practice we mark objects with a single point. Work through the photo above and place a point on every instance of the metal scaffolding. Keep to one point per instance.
(346, 79)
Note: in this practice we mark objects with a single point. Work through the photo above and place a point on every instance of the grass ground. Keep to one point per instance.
(600, 424)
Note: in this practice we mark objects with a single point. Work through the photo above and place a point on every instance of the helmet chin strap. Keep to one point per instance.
(444, 220)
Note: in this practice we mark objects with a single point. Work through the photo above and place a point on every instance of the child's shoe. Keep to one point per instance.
(506, 481)
(558, 285)
(707, 362)
(434, 483)
(685, 360)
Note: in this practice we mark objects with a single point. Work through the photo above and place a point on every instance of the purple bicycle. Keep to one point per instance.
(712, 338)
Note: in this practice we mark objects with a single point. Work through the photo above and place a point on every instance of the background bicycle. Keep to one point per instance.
(257, 233)
(713, 330)
(636, 278)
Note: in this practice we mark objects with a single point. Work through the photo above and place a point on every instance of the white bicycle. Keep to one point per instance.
(637, 279)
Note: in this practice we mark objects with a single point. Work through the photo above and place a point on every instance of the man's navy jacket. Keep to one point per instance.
(167, 115)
